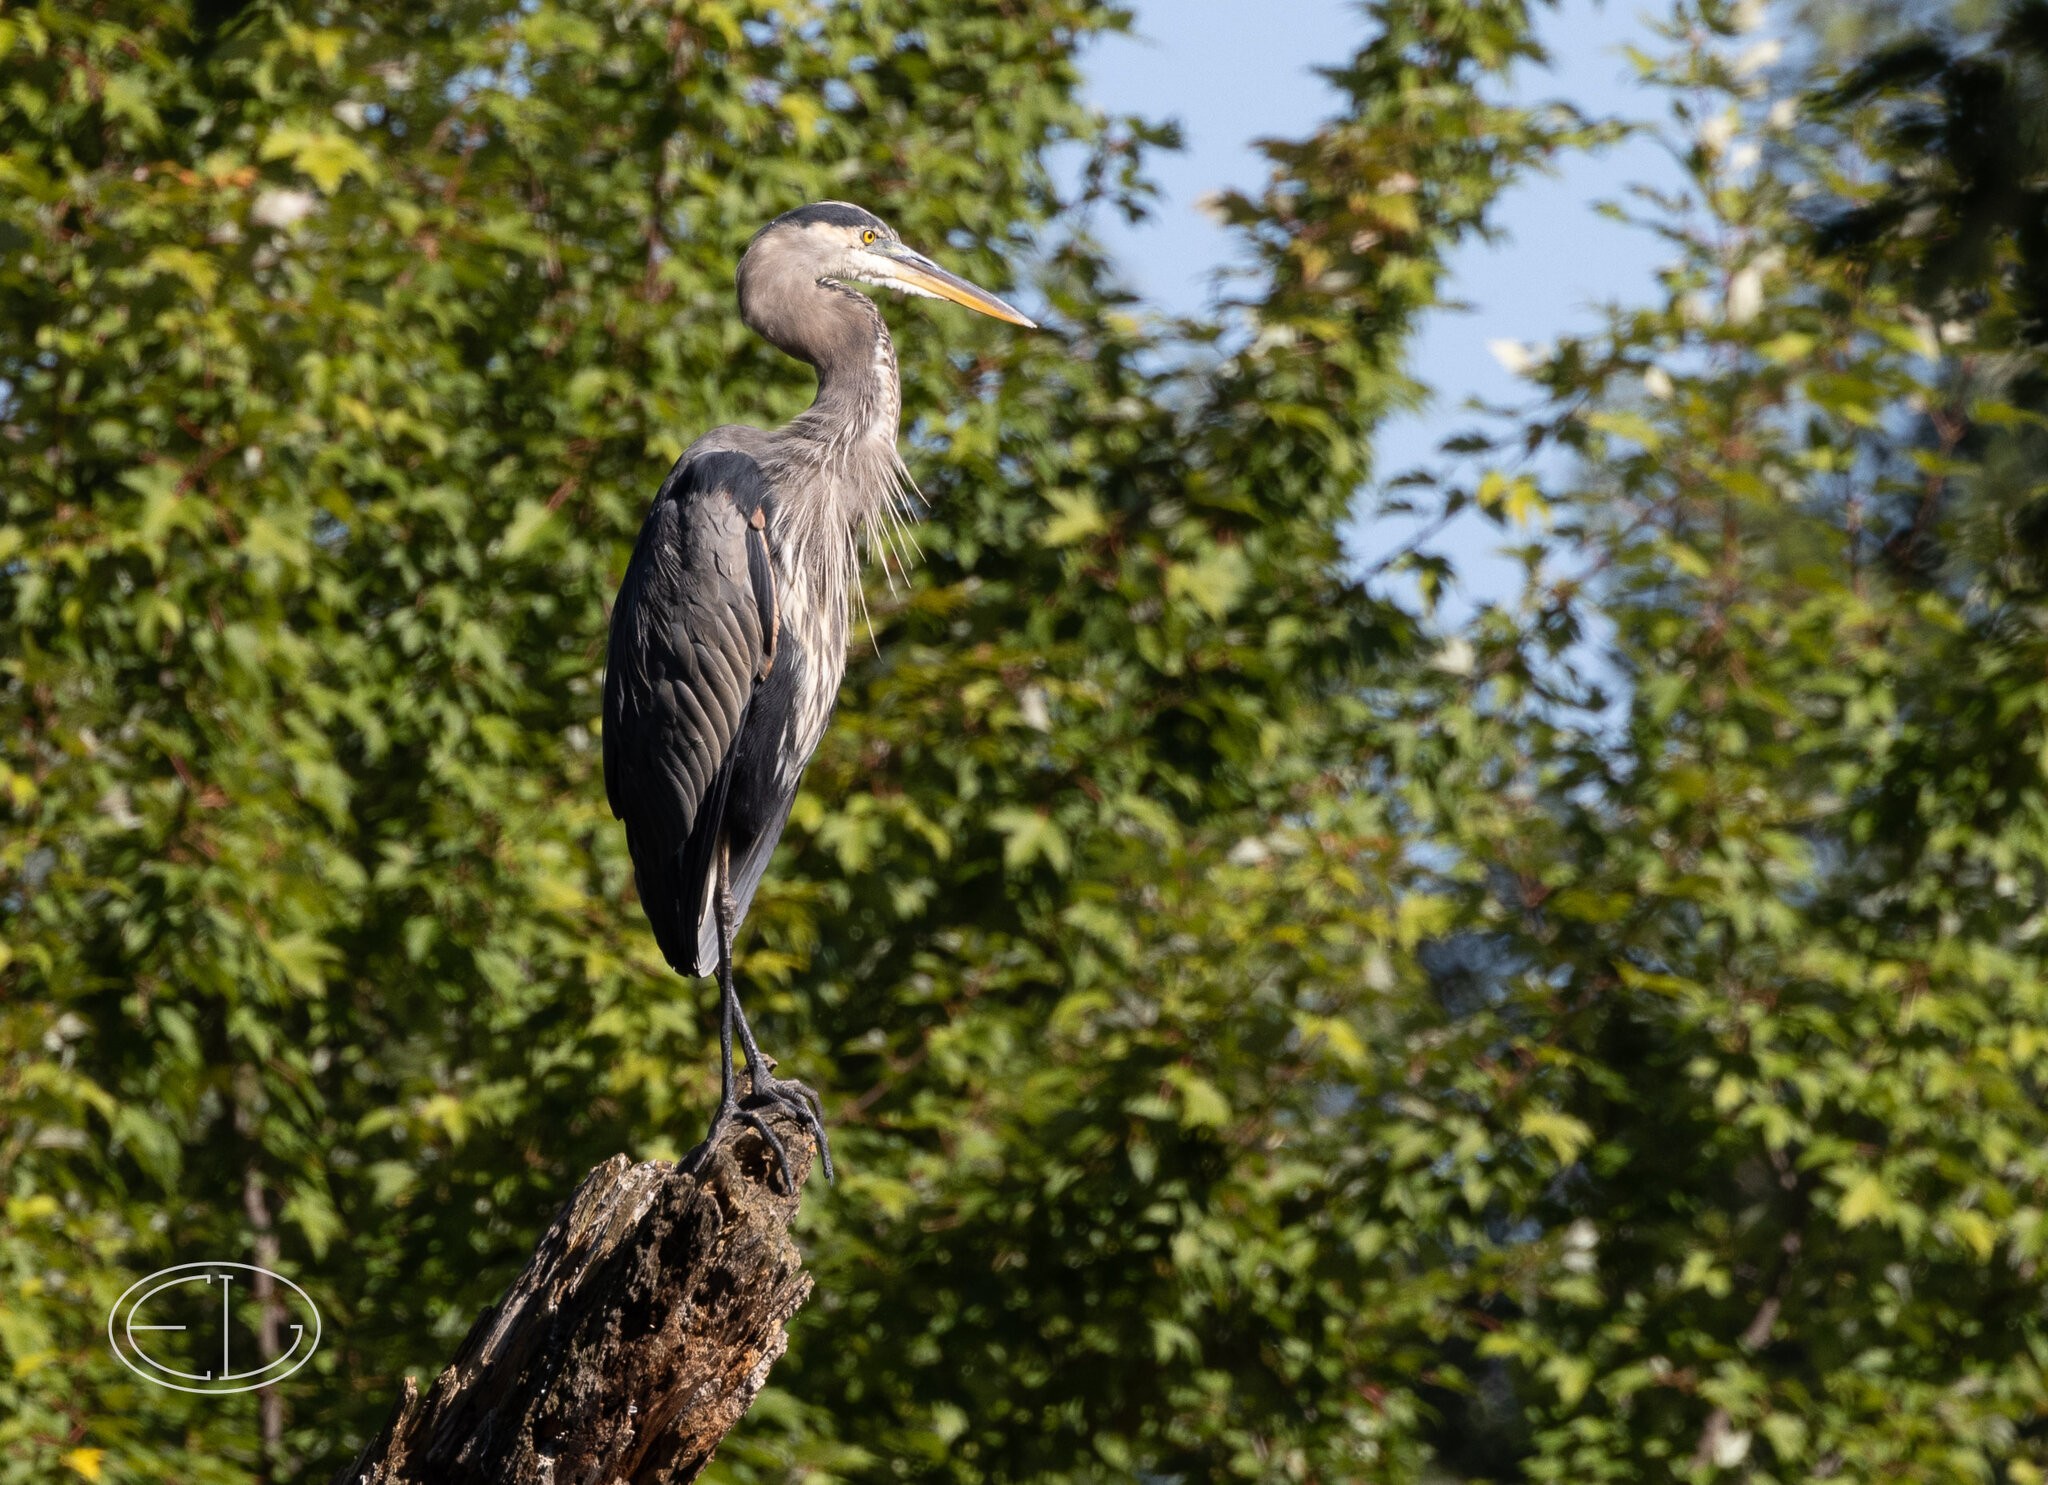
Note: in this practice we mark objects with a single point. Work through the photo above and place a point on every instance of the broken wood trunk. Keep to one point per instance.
(640, 1333)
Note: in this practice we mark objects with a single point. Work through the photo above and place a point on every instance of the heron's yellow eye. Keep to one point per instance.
(867, 237)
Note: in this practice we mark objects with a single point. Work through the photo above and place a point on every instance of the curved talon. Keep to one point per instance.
(774, 1142)
(815, 1117)
(804, 1105)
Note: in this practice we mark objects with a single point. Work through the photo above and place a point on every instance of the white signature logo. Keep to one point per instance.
(194, 1316)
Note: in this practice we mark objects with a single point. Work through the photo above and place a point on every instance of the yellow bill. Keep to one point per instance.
(914, 272)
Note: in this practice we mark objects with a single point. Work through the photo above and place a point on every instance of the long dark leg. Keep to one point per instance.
(763, 1088)
(729, 1103)
(802, 1099)
(728, 999)
(728, 1015)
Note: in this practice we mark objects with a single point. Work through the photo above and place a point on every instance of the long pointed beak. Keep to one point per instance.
(918, 272)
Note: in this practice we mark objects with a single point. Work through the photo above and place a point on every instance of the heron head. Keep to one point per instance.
(839, 241)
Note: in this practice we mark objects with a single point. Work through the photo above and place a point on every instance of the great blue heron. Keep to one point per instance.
(728, 639)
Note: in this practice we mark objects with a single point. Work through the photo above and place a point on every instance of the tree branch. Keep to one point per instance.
(638, 1336)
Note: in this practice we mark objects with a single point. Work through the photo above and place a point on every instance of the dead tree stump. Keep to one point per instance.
(640, 1333)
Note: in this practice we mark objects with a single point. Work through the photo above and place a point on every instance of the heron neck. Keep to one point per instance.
(859, 397)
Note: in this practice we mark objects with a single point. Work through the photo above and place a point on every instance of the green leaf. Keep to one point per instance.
(325, 156)
(1215, 582)
(1076, 518)
(1202, 1106)
(1566, 1135)
(1030, 836)
(1865, 1200)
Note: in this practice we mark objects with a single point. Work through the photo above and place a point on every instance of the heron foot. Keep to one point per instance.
(799, 1100)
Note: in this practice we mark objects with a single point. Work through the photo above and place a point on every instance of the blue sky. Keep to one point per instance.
(1232, 71)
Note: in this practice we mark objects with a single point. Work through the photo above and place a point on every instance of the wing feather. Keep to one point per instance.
(693, 632)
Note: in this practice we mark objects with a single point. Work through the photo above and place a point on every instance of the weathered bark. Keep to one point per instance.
(639, 1334)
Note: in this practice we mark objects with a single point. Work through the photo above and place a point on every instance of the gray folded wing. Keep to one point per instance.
(693, 639)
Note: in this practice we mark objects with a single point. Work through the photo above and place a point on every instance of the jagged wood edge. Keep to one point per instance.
(639, 1334)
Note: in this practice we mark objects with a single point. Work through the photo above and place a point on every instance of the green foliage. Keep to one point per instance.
(1744, 810)
(1965, 139)
(1268, 1035)
(340, 360)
